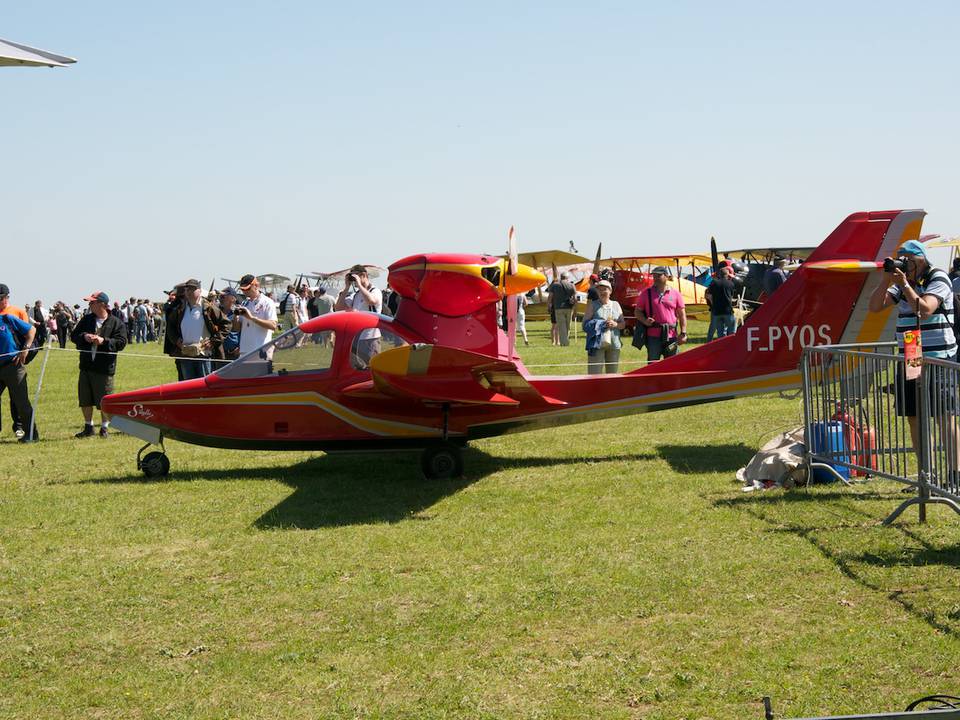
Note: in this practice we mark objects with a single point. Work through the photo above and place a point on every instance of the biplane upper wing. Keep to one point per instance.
(668, 260)
(550, 258)
(439, 374)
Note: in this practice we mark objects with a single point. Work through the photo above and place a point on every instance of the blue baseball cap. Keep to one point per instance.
(99, 296)
(912, 247)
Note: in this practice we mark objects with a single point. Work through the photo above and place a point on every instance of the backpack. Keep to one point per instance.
(34, 346)
(283, 304)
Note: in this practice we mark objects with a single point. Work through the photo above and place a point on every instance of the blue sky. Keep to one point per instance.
(214, 139)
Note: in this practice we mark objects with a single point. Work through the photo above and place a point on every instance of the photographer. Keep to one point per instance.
(255, 318)
(368, 298)
(918, 288)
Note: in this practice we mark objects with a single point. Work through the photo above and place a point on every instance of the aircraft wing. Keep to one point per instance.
(549, 258)
(666, 260)
(793, 253)
(435, 374)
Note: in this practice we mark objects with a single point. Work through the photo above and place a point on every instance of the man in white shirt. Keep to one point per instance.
(255, 317)
(365, 298)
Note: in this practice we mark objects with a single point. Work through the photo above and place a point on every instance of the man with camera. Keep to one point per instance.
(256, 317)
(918, 289)
(368, 298)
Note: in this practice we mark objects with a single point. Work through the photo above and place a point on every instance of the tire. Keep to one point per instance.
(442, 462)
(155, 465)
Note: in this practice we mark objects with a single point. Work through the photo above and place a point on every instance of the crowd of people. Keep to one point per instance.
(200, 330)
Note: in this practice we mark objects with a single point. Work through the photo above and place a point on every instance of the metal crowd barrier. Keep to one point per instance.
(851, 396)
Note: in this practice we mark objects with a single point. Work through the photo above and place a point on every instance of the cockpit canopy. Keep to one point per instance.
(312, 348)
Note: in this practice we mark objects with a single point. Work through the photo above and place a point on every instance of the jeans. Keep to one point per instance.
(603, 361)
(141, 331)
(722, 325)
(193, 368)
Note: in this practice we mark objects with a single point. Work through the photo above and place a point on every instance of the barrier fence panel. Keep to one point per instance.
(854, 397)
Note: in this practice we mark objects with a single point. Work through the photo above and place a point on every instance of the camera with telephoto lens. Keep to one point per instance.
(890, 265)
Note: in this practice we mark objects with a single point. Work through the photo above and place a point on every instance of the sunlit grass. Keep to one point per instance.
(606, 570)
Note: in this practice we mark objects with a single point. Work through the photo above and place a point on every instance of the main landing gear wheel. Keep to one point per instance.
(442, 462)
(155, 465)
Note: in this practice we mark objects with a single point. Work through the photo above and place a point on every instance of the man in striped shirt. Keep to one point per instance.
(921, 289)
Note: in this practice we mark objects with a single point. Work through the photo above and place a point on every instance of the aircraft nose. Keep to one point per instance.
(523, 280)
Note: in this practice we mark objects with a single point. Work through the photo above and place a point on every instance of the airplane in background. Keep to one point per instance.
(446, 371)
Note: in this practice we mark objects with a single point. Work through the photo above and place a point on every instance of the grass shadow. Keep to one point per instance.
(697, 459)
(338, 490)
(851, 566)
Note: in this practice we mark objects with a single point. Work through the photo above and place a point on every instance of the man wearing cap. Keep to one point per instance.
(99, 336)
(921, 289)
(366, 297)
(231, 341)
(256, 317)
(592, 291)
(16, 336)
(662, 311)
(195, 331)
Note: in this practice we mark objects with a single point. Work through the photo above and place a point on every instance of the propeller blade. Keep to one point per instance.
(714, 257)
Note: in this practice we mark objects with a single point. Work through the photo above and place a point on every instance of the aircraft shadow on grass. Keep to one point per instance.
(338, 490)
(698, 459)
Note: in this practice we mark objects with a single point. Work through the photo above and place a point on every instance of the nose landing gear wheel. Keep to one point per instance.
(155, 465)
(441, 462)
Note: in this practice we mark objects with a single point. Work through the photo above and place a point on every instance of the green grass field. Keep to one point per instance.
(605, 570)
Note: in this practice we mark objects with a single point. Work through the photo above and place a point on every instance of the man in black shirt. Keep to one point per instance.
(720, 293)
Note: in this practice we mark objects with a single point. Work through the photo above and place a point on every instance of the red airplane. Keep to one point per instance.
(445, 371)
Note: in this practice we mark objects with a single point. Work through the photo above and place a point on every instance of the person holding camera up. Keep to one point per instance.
(255, 318)
(365, 297)
(917, 288)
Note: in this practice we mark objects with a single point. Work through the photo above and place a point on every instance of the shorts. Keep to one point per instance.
(92, 386)
(905, 397)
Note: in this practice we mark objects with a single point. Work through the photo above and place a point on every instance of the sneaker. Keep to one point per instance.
(18, 431)
(86, 432)
(104, 432)
(35, 438)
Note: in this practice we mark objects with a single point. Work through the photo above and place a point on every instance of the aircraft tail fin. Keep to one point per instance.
(825, 303)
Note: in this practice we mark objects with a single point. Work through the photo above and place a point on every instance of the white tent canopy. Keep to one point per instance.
(14, 54)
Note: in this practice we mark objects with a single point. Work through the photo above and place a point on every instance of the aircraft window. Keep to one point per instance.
(368, 343)
(292, 352)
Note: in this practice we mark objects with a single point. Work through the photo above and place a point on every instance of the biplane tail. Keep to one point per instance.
(821, 303)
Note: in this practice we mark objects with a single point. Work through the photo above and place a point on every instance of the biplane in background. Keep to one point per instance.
(444, 371)
(551, 263)
(754, 264)
(631, 276)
